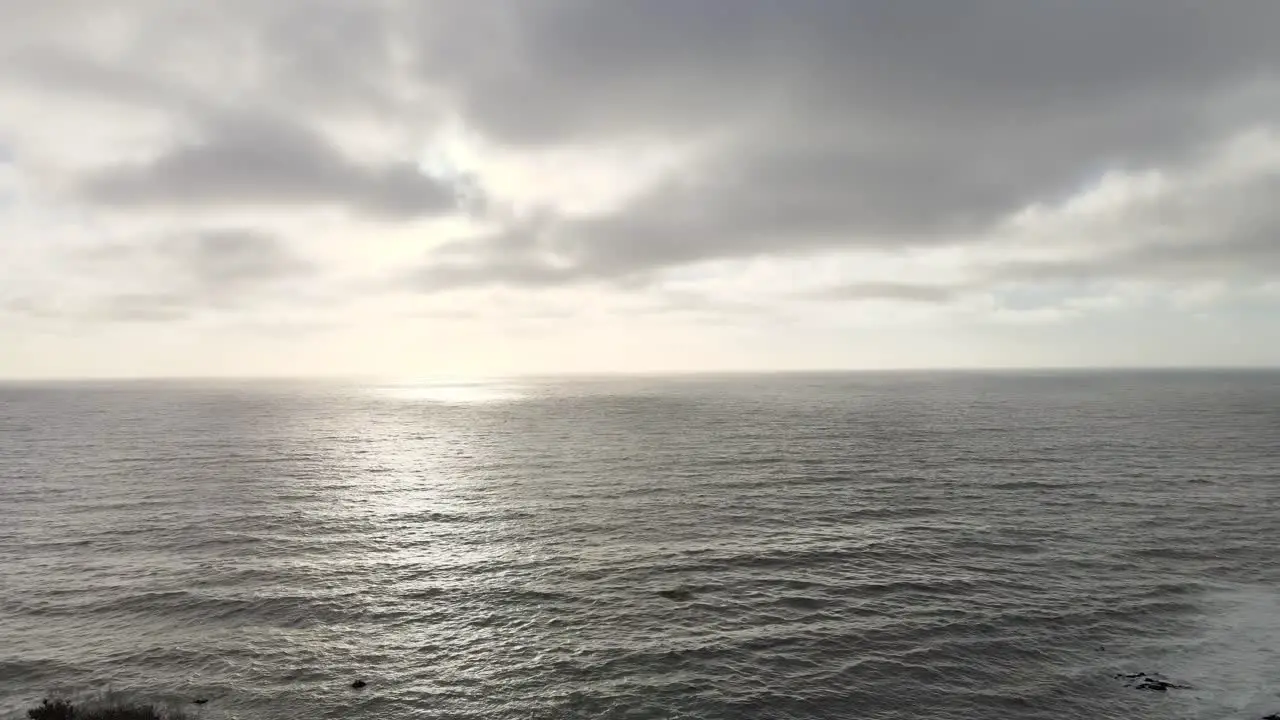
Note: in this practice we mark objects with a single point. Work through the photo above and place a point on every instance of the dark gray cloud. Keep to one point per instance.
(1250, 258)
(899, 84)
(892, 291)
(80, 76)
(862, 124)
(1216, 231)
(332, 53)
(871, 124)
(556, 70)
(232, 260)
(1246, 259)
(252, 160)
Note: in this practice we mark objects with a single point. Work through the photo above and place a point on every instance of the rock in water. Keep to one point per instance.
(200, 701)
(676, 594)
(359, 684)
(1153, 685)
(1151, 682)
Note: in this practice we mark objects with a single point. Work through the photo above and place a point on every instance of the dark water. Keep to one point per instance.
(856, 546)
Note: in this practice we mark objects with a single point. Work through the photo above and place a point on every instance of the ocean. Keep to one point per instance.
(866, 545)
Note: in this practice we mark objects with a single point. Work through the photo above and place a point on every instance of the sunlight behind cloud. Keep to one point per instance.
(605, 188)
(577, 179)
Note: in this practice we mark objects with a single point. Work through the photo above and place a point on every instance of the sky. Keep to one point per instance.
(419, 188)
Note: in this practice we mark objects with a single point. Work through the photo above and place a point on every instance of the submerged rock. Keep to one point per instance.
(1272, 716)
(676, 594)
(359, 684)
(1150, 681)
(200, 701)
(1157, 685)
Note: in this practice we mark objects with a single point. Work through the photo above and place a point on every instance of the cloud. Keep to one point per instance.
(761, 157)
(553, 72)
(891, 291)
(176, 278)
(261, 161)
(1208, 217)
(140, 307)
(867, 126)
(232, 260)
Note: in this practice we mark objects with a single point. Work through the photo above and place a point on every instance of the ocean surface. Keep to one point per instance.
(914, 545)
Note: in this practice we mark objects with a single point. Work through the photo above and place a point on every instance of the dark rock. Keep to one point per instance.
(1272, 716)
(676, 594)
(52, 710)
(1150, 681)
(200, 701)
(359, 684)
(1153, 685)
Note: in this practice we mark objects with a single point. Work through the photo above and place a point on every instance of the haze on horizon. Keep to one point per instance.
(421, 187)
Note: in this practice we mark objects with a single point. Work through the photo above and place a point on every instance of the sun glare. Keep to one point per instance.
(469, 392)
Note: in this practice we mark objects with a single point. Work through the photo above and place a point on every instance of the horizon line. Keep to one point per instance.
(445, 378)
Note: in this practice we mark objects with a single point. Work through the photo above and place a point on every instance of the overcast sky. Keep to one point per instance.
(463, 187)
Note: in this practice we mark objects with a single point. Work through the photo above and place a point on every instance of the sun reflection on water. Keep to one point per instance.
(469, 392)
